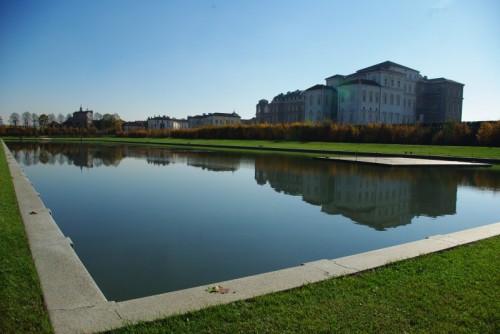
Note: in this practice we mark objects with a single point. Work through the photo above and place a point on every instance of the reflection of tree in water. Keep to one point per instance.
(91, 155)
(80, 155)
(379, 197)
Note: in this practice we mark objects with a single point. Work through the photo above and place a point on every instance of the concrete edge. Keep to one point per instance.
(416, 163)
(76, 305)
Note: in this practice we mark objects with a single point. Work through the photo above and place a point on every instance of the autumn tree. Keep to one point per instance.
(111, 123)
(484, 133)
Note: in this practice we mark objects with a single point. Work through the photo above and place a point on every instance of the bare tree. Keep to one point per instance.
(97, 116)
(52, 118)
(26, 116)
(34, 119)
(60, 118)
(1, 121)
(14, 119)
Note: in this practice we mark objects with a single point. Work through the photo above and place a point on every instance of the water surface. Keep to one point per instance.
(148, 220)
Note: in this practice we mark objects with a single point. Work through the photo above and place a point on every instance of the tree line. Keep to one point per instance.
(450, 133)
(31, 125)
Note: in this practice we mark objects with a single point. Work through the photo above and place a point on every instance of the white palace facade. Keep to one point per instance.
(386, 93)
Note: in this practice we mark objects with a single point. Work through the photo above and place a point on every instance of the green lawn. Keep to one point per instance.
(455, 291)
(21, 302)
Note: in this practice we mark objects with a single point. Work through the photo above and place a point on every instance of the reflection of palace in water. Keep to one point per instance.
(378, 197)
(375, 196)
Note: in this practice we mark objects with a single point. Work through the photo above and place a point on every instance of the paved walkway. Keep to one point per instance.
(76, 305)
(405, 162)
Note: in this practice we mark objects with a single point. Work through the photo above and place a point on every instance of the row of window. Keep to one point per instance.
(318, 99)
(370, 117)
(410, 88)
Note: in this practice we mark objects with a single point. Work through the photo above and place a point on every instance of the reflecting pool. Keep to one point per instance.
(148, 220)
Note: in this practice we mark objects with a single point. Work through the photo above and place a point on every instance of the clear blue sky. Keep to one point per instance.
(179, 58)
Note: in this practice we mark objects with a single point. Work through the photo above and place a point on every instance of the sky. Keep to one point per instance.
(179, 58)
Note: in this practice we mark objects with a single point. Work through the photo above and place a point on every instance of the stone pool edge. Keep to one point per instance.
(76, 304)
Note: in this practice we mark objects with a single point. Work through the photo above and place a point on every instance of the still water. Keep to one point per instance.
(148, 220)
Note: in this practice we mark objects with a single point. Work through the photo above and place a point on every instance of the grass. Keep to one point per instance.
(22, 308)
(455, 291)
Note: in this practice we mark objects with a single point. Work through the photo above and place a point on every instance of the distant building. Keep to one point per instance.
(166, 123)
(320, 104)
(383, 93)
(214, 119)
(386, 93)
(82, 119)
(284, 108)
(134, 126)
(439, 100)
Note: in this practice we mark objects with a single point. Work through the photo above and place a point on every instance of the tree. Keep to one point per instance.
(43, 120)
(60, 118)
(111, 123)
(97, 116)
(14, 119)
(26, 116)
(1, 121)
(34, 119)
(52, 118)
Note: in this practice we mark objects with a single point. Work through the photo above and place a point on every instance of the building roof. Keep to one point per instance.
(159, 118)
(384, 66)
(319, 87)
(289, 95)
(216, 114)
(435, 80)
(360, 82)
(340, 76)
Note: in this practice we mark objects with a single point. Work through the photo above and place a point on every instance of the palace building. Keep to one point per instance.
(386, 93)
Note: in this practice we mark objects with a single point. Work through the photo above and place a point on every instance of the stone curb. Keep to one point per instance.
(76, 305)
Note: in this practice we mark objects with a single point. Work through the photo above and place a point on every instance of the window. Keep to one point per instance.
(371, 96)
(319, 100)
(399, 84)
(311, 100)
(364, 96)
(385, 81)
(397, 99)
(392, 99)
(392, 82)
(385, 98)
(376, 97)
